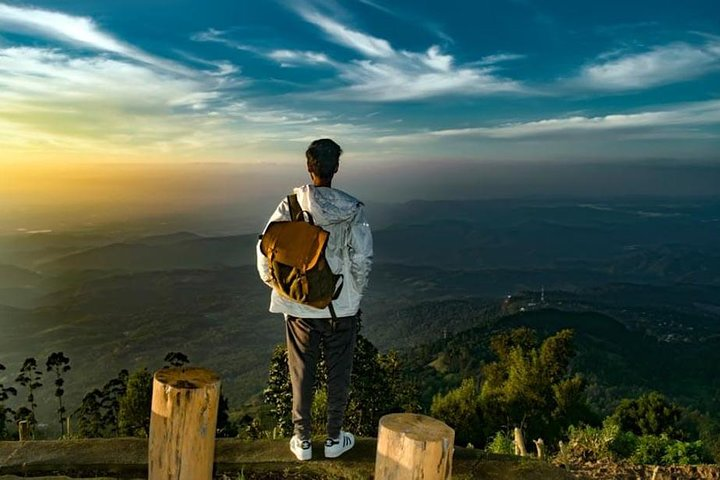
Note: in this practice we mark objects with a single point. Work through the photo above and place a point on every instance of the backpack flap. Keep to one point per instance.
(296, 244)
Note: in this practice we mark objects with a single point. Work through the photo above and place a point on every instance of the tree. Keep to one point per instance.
(405, 390)
(278, 392)
(225, 428)
(176, 359)
(60, 364)
(460, 409)
(530, 385)
(29, 378)
(371, 395)
(89, 420)
(650, 414)
(135, 405)
(99, 411)
(5, 412)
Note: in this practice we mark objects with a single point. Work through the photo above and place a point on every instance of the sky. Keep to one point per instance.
(240, 81)
(404, 86)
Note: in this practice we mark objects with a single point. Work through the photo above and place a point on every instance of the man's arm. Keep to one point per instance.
(282, 212)
(361, 249)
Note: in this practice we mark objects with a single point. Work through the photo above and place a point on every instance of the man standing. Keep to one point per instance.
(348, 253)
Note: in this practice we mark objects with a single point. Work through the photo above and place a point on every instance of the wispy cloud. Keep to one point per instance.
(411, 18)
(661, 65)
(109, 99)
(214, 35)
(284, 57)
(498, 58)
(74, 100)
(677, 116)
(288, 58)
(81, 31)
(413, 76)
(363, 43)
(386, 74)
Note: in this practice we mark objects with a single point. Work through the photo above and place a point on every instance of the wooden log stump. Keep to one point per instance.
(520, 443)
(540, 447)
(23, 430)
(412, 446)
(182, 424)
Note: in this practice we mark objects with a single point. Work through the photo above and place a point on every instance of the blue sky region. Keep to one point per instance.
(402, 81)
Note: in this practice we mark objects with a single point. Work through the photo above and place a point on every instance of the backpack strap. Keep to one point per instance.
(295, 208)
(297, 214)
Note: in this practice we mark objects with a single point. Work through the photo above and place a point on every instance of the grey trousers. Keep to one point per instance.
(304, 336)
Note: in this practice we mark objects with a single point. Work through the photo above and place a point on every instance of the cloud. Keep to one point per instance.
(360, 42)
(389, 75)
(288, 58)
(213, 35)
(412, 76)
(268, 116)
(80, 31)
(97, 103)
(285, 57)
(56, 104)
(498, 58)
(50, 76)
(661, 65)
(680, 116)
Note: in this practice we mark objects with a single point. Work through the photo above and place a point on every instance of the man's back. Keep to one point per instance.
(348, 253)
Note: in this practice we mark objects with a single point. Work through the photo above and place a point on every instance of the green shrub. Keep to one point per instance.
(624, 445)
(318, 411)
(650, 414)
(686, 453)
(501, 443)
(589, 443)
(594, 443)
(661, 450)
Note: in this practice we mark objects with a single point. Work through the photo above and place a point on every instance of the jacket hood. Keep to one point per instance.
(327, 205)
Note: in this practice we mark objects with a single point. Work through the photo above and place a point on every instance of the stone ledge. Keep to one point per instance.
(126, 458)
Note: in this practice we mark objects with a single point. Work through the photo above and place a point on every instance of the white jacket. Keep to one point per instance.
(349, 250)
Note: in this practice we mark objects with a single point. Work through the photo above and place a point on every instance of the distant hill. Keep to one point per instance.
(617, 361)
(183, 251)
(168, 239)
(20, 287)
(12, 276)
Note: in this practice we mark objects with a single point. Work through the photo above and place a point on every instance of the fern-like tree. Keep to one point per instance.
(135, 405)
(372, 391)
(278, 392)
(59, 364)
(5, 412)
(176, 359)
(97, 415)
(29, 377)
(89, 416)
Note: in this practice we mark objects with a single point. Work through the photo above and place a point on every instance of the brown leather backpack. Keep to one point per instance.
(295, 250)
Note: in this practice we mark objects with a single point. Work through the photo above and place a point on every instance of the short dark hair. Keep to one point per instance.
(323, 157)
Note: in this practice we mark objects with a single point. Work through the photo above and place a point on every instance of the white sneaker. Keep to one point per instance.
(336, 447)
(301, 448)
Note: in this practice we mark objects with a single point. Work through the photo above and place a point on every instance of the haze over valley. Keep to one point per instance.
(111, 299)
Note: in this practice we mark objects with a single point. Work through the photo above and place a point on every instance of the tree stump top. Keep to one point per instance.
(188, 378)
(416, 426)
